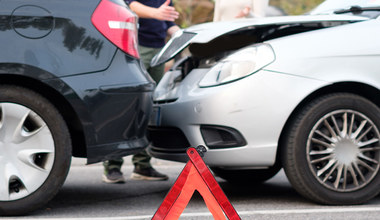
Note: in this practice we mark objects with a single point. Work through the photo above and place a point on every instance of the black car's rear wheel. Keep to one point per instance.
(35, 150)
(332, 152)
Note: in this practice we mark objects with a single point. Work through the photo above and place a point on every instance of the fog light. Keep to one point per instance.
(221, 137)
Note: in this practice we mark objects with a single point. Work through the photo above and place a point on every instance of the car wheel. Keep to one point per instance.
(35, 150)
(246, 176)
(332, 151)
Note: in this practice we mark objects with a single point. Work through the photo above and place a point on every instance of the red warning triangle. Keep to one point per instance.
(195, 176)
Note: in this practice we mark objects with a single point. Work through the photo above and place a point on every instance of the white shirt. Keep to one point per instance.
(228, 9)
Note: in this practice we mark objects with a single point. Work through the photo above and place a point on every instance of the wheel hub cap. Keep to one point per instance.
(343, 150)
(26, 151)
(346, 151)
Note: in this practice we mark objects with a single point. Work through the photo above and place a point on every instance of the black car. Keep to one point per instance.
(71, 84)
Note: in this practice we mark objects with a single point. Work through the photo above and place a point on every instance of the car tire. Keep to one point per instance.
(246, 176)
(332, 152)
(35, 150)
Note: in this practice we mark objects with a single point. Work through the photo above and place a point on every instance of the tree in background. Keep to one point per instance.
(295, 7)
(194, 11)
(200, 11)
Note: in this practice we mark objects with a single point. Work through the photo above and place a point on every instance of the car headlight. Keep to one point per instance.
(238, 65)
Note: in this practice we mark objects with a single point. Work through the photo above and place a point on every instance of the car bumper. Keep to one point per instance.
(256, 107)
(114, 106)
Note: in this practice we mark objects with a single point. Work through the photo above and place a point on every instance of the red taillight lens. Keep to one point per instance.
(118, 24)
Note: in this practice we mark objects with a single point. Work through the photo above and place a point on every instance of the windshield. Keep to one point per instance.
(329, 6)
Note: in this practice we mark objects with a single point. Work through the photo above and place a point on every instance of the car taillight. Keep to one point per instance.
(118, 24)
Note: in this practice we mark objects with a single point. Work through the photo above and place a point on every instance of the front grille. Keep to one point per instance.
(168, 139)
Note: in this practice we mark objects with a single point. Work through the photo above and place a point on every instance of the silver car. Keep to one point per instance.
(293, 92)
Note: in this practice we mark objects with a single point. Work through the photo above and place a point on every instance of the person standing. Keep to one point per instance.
(156, 22)
(229, 10)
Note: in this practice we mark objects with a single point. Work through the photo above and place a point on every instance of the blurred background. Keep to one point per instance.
(200, 11)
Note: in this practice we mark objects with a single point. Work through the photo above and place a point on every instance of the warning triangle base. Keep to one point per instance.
(195, 176)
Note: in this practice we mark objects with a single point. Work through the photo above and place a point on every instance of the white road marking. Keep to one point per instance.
(241, 213)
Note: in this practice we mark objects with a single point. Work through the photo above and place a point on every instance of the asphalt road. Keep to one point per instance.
(85, 197)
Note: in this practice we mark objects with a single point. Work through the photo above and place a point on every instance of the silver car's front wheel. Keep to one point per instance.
(331, 153)
(35, 150)
(343, 150)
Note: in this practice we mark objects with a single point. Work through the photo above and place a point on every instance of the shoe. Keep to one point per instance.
(148, 174)
(113, 176)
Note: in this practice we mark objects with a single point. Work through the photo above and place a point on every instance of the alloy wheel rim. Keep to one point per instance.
(343, 150)
(26, 151)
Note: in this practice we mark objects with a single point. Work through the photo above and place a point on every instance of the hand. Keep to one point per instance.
(243, 13)
(172, 30)
(166, 12)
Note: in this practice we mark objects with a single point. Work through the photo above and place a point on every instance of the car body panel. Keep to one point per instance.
(120, 104)
(103, 93)
(218, 102)
(204, 33)
(64, 47)
(333, 60)
(72, 84)
(208, 31)
(260, 105)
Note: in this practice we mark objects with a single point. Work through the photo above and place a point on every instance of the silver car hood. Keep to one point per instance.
(204, 33)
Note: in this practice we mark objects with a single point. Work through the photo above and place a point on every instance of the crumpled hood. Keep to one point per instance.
(203, 33)
(208, 31)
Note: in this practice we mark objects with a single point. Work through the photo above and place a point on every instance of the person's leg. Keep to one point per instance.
(112, 173)
(141, 160)
(143, 169)
(147, 54)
